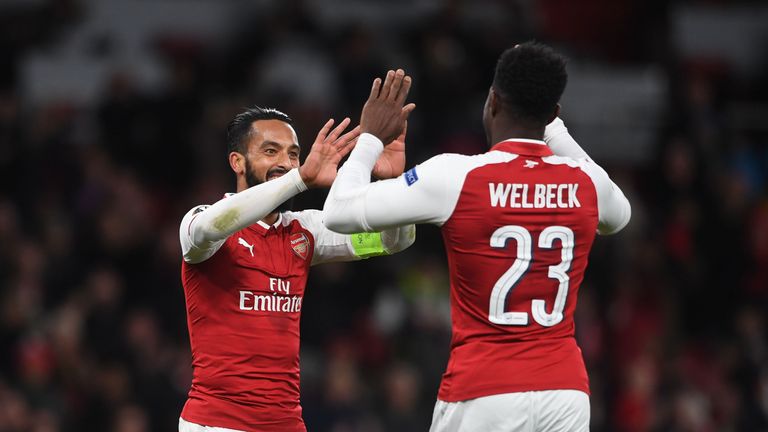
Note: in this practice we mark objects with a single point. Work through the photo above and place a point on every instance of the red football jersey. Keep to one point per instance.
(244, 298)
(243, 309)
(244, 285)
(518, 223)
(517, 242)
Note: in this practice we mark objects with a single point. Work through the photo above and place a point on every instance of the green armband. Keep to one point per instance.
(367, 244)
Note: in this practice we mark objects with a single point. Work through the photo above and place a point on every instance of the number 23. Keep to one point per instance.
(512, 276)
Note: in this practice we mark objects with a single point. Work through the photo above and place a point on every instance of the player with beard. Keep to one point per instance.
(245, 267)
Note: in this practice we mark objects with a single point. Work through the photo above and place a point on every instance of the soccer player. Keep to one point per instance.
(245, 268)
(518, 223)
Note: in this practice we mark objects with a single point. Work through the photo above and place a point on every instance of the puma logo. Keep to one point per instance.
(245, 243)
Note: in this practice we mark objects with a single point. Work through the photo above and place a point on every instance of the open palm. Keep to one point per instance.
(321, 165)
(391, 163)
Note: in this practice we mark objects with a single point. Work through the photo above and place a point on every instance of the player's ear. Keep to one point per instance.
(237, 162)
(494, 103)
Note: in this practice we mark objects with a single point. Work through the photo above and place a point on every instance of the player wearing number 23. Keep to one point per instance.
(518, 223)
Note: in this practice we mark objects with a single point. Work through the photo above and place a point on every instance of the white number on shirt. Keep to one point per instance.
(512, 276)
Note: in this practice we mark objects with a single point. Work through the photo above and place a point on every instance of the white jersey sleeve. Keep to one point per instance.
(613, 207)
(205, 228)
(191, 252)
(334, 247)
(423, 194)
(561, 142)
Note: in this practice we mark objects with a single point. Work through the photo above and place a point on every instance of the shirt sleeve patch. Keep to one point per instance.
(410, 176)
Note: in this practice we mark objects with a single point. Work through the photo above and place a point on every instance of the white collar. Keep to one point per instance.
(276, 224)
(525, 140)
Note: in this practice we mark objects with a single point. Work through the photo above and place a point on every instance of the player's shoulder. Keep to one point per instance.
(203, 207)
(447, 171)
(490, 157)
(432, 173)
(458, 158)
(584, 166)
(300, 215)
(459, 164)
(197, 209)
(310, 219)
(565, 160)
(191, 214)
(441, 159)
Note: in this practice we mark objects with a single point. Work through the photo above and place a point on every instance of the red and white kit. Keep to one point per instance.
(244, 282)
(518, 223)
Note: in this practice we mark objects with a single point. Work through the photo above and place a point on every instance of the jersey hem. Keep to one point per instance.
(197, 423)
(207, 423)
(493, 390)
(202, 421)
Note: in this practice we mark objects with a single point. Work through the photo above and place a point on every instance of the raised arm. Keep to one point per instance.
(614, 208)
(561, 142)
(204, 228)
(354, 204)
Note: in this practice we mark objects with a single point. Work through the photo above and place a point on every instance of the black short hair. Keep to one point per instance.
(530, 78)
(239, 129)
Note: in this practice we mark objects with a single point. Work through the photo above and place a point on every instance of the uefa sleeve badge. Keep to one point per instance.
(410, 176)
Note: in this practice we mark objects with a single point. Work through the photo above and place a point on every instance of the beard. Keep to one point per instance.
(251, 180)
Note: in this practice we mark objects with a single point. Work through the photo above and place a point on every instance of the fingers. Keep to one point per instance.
(397, 83)
(407, 110)
(346, 147)
(375, 89)
(387, 87)
(404, 89)
(334, 135)
(347, 138)
(324, 131)
(345, 144)
(396, 86)
(404, 113)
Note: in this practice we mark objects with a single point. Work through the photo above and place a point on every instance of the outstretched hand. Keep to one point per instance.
(391, 163)
(322, 162)
(383, 114)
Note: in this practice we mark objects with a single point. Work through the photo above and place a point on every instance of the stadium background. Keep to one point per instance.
(112, 117)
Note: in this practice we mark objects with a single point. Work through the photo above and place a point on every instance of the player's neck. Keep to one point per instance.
(271, 218)
(513, 131)
(240, 184)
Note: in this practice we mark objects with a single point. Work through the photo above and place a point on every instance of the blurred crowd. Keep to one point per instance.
(671, 316)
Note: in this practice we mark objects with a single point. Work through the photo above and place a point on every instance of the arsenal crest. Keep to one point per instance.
(300, 245)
